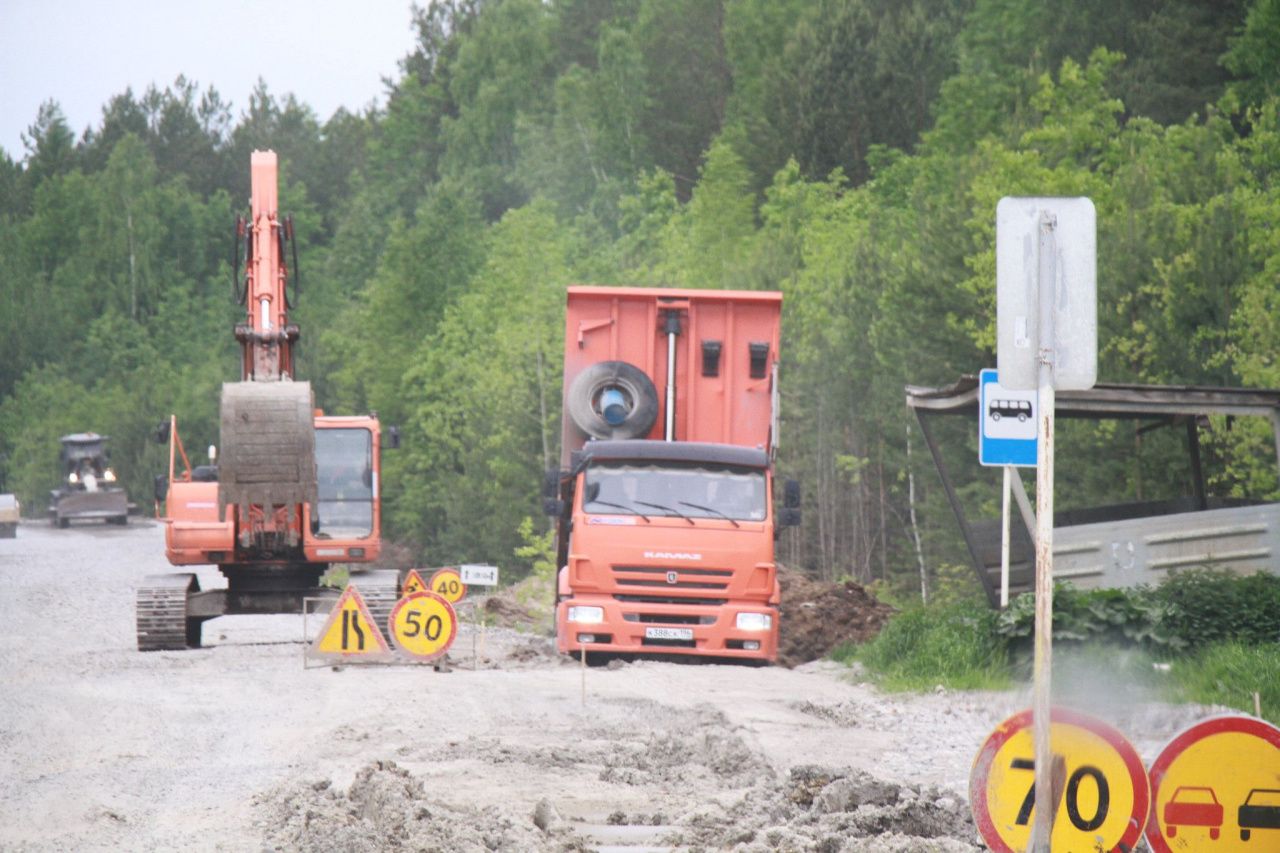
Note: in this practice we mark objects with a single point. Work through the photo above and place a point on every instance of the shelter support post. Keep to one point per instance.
(965, 530)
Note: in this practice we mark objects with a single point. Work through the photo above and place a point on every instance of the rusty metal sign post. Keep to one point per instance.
(1046, 333)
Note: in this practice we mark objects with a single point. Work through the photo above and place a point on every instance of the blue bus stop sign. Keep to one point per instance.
(1007, 424)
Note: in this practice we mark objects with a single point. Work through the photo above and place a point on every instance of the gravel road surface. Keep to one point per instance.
(242, 746)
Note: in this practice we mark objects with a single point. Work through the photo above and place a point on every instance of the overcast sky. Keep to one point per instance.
(80, 53)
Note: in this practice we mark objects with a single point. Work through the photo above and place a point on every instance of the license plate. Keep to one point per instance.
(668, 633)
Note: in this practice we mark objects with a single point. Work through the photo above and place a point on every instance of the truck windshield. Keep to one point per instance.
(344, 477)
(669, 489)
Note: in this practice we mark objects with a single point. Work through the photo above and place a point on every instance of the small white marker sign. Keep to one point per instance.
(479, 575)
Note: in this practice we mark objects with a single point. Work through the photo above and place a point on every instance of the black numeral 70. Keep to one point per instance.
(1072, 796)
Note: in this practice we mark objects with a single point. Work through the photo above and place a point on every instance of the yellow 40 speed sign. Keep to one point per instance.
(423, 624)
(1105, 795)
(448, 584)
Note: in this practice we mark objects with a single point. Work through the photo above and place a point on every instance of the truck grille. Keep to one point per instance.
(667, 599)
(669, 619)
(671, 578)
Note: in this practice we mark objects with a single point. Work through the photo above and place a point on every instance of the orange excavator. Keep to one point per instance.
(295, 490)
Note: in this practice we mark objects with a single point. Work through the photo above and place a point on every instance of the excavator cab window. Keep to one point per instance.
(344, 478)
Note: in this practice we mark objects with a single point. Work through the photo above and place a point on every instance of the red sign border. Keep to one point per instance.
(1194, 733)
(431, 584)
(453, 625)
(981, 772)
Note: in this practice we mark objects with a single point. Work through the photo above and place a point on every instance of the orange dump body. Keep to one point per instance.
(666, 529)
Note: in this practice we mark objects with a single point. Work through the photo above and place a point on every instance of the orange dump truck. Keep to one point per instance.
(664, 497)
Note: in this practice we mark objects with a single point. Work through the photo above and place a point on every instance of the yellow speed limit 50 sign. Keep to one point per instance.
(423, 624)
(1104, 797)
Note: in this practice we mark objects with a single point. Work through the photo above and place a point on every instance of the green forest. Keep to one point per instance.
(849, 153)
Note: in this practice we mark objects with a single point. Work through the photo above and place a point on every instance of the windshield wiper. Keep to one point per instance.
(669, 509)
(712, 509)
(629, 509)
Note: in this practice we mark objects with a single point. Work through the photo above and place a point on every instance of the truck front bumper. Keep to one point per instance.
(641, 628)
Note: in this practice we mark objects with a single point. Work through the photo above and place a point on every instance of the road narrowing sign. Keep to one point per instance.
(1216, 785)
(1105, 794)
(413, 582)
(423, 625)
(350, 631)
(447, 583)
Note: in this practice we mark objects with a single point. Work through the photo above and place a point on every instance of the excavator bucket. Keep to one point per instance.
(268, 448)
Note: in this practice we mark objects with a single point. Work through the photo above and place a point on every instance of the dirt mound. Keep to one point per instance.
(816, 616)
(821, 808)
(698, 744)
(387, 808)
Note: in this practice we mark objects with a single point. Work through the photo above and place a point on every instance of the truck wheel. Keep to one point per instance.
(63, 523)
(638, 392)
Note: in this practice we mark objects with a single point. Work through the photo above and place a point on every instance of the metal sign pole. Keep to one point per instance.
(1047, 273)
(1004, 537)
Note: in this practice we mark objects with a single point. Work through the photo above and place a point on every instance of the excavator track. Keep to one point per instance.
(162, 613)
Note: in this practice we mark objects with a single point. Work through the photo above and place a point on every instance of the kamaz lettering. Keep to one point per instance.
(670, 555)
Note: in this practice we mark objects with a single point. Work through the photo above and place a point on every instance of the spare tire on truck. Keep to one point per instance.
(613, 399)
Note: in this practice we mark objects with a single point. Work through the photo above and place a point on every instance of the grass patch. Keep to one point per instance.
(954, 645)
(1229, 674)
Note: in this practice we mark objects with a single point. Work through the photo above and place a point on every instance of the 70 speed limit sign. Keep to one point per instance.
(1104, 798)
(423, 624)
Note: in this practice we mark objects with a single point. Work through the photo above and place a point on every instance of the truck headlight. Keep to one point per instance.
(754, 622)
(109, 476)
(588, 615)
(73, 477)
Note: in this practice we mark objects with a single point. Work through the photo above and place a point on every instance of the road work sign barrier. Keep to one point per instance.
(350, 632)
(413, 582)
(1099, 790)
(447, 584)
(1216, 786)
(424, 625)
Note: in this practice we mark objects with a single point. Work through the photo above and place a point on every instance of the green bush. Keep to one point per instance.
(1220, 631)
(952, 644)
(1188, 611)
(1209, 607)
(1229, 674)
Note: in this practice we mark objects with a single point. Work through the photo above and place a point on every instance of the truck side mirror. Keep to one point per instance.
(789, 515)
(551, 483)
(161, 486)
(161, 434)
(551, 503)
(393, 438)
